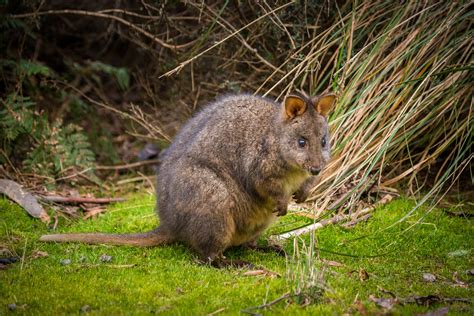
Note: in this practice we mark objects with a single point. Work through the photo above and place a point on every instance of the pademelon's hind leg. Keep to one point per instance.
(203, 209)
(213, 237)
(211, 246)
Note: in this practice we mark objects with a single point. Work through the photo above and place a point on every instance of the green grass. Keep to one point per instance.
(169, 280)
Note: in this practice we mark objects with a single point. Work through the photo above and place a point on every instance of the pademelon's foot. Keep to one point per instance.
(222, 262)
(231, 263)
(268, 248)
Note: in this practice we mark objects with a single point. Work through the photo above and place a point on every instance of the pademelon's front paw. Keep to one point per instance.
(301, 195)
(281, 210)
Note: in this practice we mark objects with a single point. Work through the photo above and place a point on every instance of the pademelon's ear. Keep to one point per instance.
(324, 103)
(294, 106)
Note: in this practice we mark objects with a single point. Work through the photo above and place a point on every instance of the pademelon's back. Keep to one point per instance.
(219, 142)
(230, 122)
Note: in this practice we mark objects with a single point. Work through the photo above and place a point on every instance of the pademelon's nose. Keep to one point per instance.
(315, 170)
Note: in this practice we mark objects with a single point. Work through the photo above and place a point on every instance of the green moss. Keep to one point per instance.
(169, 280)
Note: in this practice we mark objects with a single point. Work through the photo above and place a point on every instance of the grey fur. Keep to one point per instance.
(232, 169)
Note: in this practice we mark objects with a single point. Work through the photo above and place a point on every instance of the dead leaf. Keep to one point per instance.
(261, 272)
(332, 263)
(458, 282)
(93, 212)
(105, 258)
(386, 303)
(470, 272)
(428, 277)
(360, 308)
(23, 198)
(425, 300)
(38, 254)
(363, 275)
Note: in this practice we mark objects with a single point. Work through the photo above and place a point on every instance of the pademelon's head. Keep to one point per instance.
(304, 138)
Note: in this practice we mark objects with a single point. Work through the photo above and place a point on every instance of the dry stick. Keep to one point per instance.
(217, 311)
(310, 228)
(226, 25)
(135, 179)
(336, 219)
(356, 220)
(156, 130)
(129, 165)
(113, 266)
(184, 63)
(316, 38)
(77, 200)
(99, 14)
(249, 310)
(283, 27)
(94, 181)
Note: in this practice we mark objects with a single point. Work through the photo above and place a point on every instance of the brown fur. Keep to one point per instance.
(230, 171)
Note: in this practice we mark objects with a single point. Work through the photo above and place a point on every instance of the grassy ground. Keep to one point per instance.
(168, 279)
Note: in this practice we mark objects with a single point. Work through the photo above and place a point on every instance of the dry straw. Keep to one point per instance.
(405, 110)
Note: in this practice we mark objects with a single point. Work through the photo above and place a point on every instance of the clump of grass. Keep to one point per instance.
(404, 74)
(168, 280)
(304, 273)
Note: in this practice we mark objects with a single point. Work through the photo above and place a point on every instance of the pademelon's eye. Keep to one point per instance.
(324, 141)
(302, 142)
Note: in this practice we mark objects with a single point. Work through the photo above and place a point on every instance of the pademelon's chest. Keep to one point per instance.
(294, 181)
(252, 226)
(262, 216)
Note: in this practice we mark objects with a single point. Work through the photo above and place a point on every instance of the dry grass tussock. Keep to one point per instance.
(403, 73)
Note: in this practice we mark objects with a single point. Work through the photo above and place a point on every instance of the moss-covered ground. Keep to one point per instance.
(377, 263)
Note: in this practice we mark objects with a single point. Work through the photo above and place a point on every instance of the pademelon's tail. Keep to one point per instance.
(152, 238)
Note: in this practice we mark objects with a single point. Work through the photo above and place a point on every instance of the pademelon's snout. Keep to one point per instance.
(315, 170)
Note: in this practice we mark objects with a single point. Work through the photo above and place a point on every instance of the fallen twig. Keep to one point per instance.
(249, 310)
(353, 222)
(92, 212)
(217, 311)
(129, 165)
(77, 200)
(113, 266)
(102, 14)
(334, 220)
(310, 228)
(135, 179)
(261, 272)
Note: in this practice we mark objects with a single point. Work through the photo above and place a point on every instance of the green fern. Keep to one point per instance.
(30, 68)
(120, 74)
(17, 117)
(61, 148)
